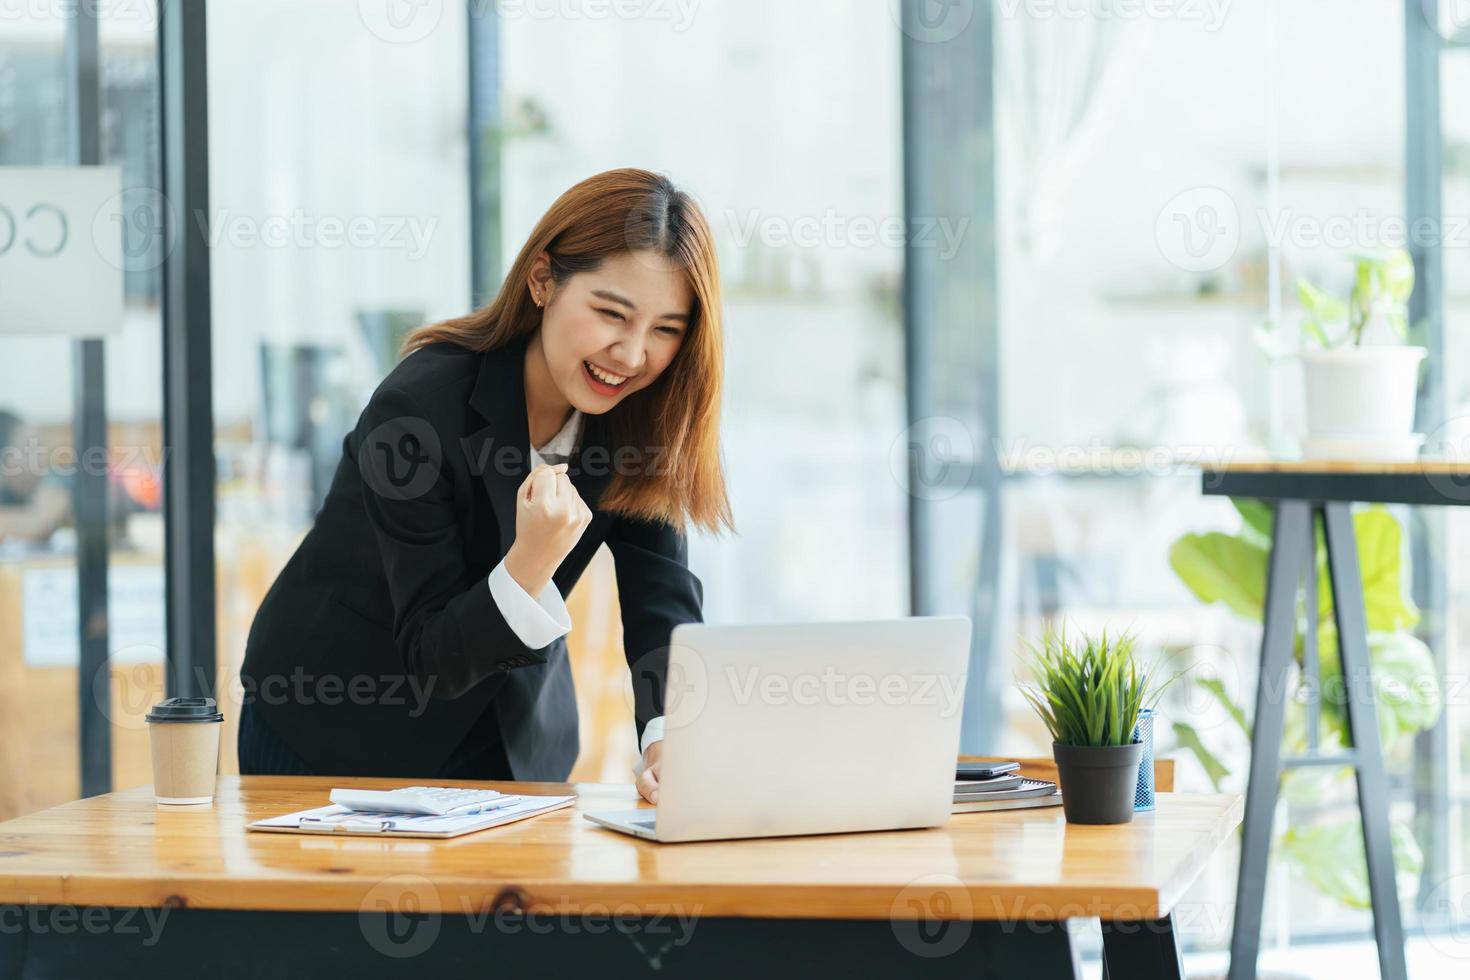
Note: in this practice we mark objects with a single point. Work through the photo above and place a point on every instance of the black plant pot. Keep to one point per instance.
(1097, 781)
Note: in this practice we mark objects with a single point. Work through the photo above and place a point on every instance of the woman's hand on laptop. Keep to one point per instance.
(648, 777)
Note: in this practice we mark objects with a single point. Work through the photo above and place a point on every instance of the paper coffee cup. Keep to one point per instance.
(184, 735)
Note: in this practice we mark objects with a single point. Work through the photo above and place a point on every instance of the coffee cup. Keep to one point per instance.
(184, 737)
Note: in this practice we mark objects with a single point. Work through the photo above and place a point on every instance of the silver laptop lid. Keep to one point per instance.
(811, 727)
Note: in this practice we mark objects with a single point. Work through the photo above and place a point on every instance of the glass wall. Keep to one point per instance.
(359, 120)
(339, 220)
(1163, 177)
(94, 222)
(737, 105)
(1151, 238)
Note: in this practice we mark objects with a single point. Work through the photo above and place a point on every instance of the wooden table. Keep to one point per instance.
(1304, 493)
(116, 886)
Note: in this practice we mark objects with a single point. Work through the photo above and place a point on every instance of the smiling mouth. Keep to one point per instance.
(603, 380)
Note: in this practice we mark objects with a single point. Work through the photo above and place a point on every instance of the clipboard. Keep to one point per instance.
(338, 820)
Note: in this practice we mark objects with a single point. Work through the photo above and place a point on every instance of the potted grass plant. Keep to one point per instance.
(1089, 692)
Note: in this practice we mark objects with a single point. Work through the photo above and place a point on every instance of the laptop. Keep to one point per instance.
(807, 728)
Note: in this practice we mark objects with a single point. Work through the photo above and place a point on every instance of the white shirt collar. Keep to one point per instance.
(562, 443)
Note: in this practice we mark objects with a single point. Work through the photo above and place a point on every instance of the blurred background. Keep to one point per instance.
(999, 278)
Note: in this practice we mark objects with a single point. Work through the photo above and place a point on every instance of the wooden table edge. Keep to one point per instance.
(458, 893)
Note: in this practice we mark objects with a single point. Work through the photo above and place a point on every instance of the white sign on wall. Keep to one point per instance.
(61, 250)
(135, 614)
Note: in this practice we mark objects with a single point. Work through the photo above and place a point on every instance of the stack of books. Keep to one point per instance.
(1010, 791)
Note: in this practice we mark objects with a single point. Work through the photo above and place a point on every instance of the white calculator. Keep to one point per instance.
(427, 801)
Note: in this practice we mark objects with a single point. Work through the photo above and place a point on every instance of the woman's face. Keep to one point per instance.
(612, 331)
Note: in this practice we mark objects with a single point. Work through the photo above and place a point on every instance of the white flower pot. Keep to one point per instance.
(1363, 393)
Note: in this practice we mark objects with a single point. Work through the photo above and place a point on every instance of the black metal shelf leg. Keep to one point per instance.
(1352, 645)
(1290, 537)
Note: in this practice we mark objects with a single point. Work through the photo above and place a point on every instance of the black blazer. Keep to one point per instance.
(379, 646)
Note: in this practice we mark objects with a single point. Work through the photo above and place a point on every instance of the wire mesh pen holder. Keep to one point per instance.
(1143, 794)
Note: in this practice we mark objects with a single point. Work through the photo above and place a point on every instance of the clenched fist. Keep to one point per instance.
(550, 519)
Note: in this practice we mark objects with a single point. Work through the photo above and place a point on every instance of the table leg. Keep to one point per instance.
(1352, 645)
(1291, 537)
(1141, 949)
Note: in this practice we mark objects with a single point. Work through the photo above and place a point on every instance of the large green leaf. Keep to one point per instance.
(1232, 569)
(1330, 854)
(1315, 785)
(1187, 736)
(1407, 681)
(1219, 567)
(1256, 519)
(1379, 538)
(1216, 689)
(1406, 687)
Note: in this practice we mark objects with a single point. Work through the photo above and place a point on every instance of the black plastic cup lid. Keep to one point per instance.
(185, 709)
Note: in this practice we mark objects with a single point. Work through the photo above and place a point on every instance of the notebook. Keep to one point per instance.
(998, 783)
(981, 806)
(1031, 792)
(334, 819)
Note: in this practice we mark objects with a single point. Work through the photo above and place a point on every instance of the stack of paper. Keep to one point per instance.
(334, 819)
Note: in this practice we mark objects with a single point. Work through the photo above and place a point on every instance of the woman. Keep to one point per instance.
(418, 630)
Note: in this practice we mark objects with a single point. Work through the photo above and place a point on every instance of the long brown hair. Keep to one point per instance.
(618, 211)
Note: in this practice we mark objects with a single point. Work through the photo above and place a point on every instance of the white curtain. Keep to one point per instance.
(1051, 72)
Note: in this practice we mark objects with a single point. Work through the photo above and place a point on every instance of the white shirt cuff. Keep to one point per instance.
(537, 622)
(652, 732)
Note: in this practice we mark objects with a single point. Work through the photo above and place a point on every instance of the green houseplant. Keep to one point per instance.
(1359, 378)
(1089, 692)
(1323, 842)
